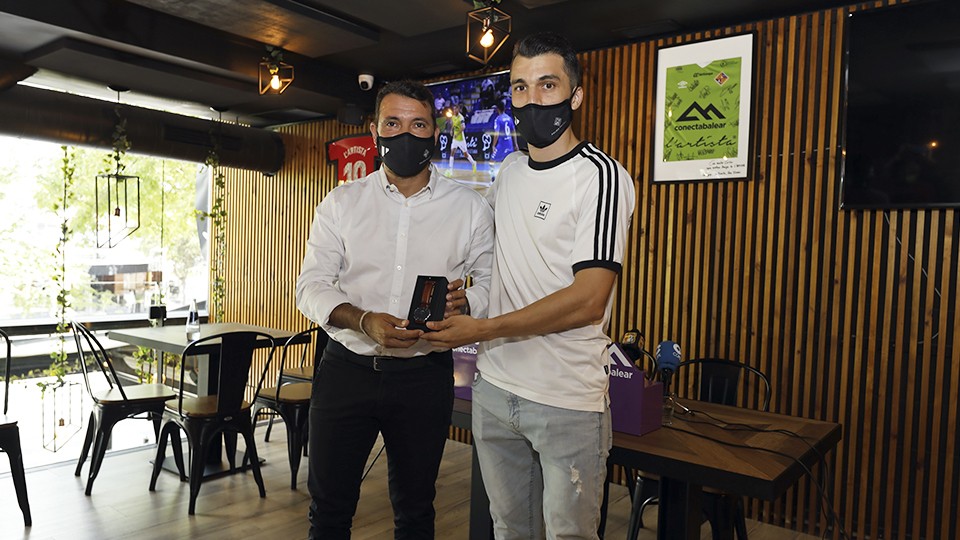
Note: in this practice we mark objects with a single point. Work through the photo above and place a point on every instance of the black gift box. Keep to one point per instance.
(428, 303)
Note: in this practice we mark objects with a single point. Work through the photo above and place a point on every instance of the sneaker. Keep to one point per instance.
(474, 167)
(448, 173)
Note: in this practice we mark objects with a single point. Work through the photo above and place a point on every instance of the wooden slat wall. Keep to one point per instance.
(851, 313)
(268, 222)
(844, 310)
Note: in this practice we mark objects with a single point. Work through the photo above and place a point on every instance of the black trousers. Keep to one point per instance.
(350, 405)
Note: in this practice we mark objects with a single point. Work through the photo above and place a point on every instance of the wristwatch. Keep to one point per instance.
(422, 312)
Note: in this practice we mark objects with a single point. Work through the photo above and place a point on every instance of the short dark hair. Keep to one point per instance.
(551, 42)
(406, 88)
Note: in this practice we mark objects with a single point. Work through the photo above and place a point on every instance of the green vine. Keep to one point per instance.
(274, 56)
(218, 226)
(59, 366)
(121, 144)
(146, 361)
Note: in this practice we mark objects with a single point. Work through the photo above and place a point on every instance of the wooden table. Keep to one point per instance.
(687, 462)
(173, 339)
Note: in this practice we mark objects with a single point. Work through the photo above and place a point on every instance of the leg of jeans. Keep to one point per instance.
(510, 467)
(343, 429)
(415, 413)
(573, 447)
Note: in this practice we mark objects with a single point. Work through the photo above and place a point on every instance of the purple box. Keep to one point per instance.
(464, 370)
(636, 402)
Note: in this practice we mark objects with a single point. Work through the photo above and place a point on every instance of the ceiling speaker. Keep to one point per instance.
(350, 114)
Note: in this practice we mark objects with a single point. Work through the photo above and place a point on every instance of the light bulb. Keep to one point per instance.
(487, 39)
(275, 82)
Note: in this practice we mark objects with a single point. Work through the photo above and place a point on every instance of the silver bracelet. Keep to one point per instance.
(364, 332)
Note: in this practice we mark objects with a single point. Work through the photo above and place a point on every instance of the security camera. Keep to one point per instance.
(365, 80)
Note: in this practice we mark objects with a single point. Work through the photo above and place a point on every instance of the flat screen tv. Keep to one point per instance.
(474, 114)
(902, 128)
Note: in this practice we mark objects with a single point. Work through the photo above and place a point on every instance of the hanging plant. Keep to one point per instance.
(116, 190)
(59, 366)
(120, 146)
(218, 228)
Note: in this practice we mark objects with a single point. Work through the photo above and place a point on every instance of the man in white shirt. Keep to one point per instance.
(541, 421)
(369, 241)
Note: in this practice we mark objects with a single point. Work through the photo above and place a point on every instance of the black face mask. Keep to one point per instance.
(542, 125)
(406, 154)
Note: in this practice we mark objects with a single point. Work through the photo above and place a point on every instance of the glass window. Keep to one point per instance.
(162, 257)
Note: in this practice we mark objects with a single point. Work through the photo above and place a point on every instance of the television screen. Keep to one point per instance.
(902, 131)
(476, 127)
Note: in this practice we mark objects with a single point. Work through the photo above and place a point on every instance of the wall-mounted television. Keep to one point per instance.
(475, 118)
(902, 126)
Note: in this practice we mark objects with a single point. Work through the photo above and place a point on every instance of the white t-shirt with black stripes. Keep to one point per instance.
(552, 220)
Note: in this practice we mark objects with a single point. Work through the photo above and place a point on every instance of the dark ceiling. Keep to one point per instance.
(197, 54)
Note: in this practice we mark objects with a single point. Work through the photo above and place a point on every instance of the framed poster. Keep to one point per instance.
(703, 110)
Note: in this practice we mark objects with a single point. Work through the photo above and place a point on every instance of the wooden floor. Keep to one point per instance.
(122, 507)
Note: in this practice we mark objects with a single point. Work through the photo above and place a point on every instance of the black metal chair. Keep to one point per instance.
(289, 396)
(10, 441)
(716, 381)
(302, 372)
(225, 413)
(112, 402)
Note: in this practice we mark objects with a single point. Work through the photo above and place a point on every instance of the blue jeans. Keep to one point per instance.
(350, 404)
(543, 467)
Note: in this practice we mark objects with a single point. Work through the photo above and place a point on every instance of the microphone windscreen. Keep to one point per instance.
(668, 355)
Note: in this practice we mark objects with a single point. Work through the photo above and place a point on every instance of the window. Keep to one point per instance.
(163, 256)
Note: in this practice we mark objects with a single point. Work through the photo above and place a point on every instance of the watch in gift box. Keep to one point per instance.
(422, 312)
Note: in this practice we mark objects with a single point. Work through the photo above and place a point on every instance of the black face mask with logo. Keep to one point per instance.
(406, 154)
(542, 125)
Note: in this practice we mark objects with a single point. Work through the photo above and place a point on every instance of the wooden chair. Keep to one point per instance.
(10, 441)
(289, 399)
(112, 402)
(224, 413)
(715, 381)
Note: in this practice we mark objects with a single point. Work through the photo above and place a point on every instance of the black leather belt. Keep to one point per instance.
(390, 363)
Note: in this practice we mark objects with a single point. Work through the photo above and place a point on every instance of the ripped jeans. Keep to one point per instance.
(543, 467)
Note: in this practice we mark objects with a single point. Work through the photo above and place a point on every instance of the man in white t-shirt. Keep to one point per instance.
(541, 419)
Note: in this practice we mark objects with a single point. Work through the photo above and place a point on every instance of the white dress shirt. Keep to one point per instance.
(368, 243)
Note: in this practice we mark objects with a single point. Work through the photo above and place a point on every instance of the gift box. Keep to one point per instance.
(636, 402)
(428, 303)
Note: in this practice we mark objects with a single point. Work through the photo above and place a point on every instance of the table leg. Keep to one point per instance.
(680, 510)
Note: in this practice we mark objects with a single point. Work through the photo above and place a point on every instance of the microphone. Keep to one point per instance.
(668, 358)
(632, 343)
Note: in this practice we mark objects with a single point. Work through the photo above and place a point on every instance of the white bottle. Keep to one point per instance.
(193, 322)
